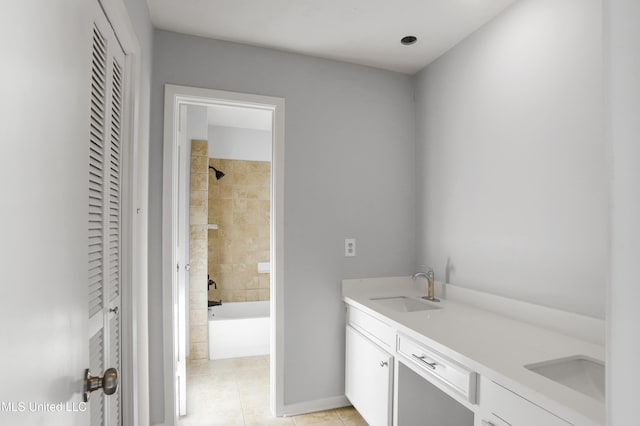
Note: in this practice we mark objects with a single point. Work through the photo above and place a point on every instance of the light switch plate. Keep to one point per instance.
(349, 247)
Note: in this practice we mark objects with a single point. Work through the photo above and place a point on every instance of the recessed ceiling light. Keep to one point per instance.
(407, 40)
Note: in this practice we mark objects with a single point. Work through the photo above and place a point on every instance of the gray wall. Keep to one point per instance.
(197, 124)
(623, 80)
(349, 172)
(233, 143)
(511, 160)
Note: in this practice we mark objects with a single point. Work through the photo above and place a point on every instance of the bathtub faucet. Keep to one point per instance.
(211, 283)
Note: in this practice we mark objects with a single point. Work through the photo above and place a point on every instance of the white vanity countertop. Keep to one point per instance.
(493, 345)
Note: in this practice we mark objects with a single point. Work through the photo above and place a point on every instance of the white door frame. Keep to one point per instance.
(175, 96)
(184, 205)
(134, 326)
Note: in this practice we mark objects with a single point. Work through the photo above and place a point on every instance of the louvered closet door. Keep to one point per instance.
(105, 217)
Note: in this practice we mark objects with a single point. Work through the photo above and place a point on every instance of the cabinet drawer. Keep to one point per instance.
(511, 408)
(374, 328)
(457, 377)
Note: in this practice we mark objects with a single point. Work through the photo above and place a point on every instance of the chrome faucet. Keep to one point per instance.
(430, 277)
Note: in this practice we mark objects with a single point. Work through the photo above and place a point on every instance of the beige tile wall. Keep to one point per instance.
(198, 211)
(239, 204)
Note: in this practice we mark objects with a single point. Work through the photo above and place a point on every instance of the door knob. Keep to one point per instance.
(108, 383)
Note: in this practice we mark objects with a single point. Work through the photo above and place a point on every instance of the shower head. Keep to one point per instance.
(219, 174)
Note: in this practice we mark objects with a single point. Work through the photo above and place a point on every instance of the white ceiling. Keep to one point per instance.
(243, 118)
(366, 32)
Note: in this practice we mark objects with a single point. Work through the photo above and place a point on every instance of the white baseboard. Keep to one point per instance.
(308, 406)
(315, 405)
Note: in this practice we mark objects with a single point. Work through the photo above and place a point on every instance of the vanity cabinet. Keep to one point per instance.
(368, 378)
(502, 407)
(453, 377)
(420, 402)
(401, 373)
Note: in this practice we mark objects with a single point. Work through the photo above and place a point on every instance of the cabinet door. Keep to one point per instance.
(368, 378)
(490, 420)
(507, 407)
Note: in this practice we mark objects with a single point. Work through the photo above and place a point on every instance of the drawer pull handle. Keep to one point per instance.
(383, 363)
(431, 365)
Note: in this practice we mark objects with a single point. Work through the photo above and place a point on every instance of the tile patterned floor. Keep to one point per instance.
(235, 392)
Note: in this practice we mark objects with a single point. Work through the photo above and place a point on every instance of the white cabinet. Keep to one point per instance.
(393, 376)
(490, 420)
(376, 330)
(504, 407)
(368, 378)
(420, 402)
(455, 377)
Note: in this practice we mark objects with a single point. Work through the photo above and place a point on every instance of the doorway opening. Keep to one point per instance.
(223, 163)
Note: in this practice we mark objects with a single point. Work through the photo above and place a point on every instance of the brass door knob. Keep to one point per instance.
(108, 383)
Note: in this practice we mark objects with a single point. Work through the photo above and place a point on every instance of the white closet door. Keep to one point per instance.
(105, 217)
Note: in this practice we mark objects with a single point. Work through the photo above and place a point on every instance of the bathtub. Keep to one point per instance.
(238, 329)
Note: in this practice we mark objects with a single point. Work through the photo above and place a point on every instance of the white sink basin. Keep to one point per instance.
(405, 304)
(580, 373)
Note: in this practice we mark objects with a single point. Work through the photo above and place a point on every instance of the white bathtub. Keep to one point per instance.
(238, 329)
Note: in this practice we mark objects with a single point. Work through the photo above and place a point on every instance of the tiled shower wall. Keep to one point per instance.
(198, 331)
(239, 204)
